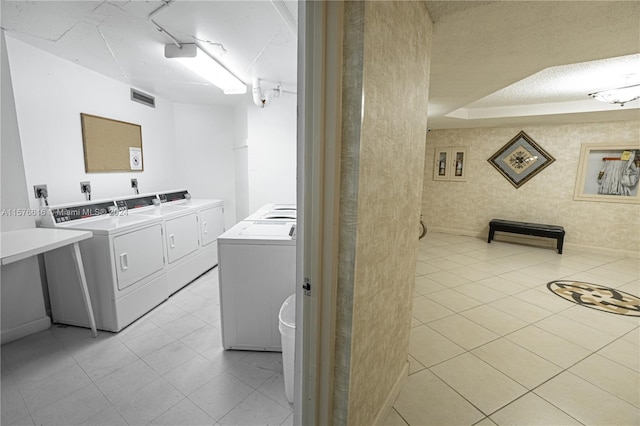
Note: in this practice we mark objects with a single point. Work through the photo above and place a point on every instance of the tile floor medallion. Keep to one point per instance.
(597, 296)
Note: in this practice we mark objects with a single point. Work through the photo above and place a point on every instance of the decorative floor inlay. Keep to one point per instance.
(598, 297)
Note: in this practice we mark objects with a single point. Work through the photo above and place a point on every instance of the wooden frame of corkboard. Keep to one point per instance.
(107, 144)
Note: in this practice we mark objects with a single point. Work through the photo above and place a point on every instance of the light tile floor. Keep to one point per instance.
(491, 345)
(168, 368)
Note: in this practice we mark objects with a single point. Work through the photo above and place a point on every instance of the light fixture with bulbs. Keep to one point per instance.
(618, 96)
(200, 62)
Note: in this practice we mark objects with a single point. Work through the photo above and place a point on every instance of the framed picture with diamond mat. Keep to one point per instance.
(608, 173)
(520, 159)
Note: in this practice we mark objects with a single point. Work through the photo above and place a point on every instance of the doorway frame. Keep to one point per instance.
(320, 30)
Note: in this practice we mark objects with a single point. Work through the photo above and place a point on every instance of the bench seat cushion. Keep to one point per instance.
(499, 223)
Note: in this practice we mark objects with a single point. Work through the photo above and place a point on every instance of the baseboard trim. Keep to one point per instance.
(454, 231)
(387, 406)
(603, 250)
(536, 242)
(25, 330)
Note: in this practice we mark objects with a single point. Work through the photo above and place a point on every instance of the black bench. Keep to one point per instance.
(536, 229)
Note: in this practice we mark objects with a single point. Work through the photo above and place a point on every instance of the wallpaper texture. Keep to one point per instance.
(382, 154)
(547, 198)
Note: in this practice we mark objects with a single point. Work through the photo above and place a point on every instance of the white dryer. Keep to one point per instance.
(124, 264)
(182, 245)
(257, 271)
(210, 224)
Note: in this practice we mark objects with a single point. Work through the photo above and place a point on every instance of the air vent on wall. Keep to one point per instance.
(143, 98)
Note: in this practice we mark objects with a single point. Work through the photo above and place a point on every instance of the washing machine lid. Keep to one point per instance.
(276, 206)
(260, 232)
(280, 215)
(165, 211)
(196, 203)
(113, 224)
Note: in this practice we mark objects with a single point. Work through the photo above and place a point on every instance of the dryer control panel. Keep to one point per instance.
(136, 203)
(66, 214)
(174, 196)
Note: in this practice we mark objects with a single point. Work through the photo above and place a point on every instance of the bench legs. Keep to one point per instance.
(559, 238)
(559, 243)
(491, 234)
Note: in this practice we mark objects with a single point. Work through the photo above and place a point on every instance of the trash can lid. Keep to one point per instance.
(287, 314)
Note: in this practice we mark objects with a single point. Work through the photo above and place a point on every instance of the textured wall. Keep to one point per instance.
(384, 127)
(546, 198)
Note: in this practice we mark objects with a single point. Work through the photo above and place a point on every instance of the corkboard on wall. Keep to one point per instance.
(111, 145)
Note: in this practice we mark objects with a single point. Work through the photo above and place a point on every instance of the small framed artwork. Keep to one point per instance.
(608, 173)
(520, 159)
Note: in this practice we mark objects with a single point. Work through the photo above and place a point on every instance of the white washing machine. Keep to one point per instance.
(257, 271)
(279, 212)
(124, 265)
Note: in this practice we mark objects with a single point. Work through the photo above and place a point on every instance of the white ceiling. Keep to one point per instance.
(506, 63)
(494, 63)
(253, 39)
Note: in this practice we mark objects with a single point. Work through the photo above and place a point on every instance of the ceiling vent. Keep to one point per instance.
(143, 98)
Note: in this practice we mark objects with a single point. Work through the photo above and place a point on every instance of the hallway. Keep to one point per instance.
(490, 344)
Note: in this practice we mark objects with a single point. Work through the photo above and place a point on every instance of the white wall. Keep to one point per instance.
(52, 92)
(272, 152)
(241, 151)
(14, 195)
(205, 153)
(22, 309)
(245, 155)
(50, 95)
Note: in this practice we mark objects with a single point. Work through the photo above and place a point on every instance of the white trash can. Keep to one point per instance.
(287, 327)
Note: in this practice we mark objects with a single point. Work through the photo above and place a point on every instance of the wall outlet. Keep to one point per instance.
(134, 183)
(85, 187)
(40, 191)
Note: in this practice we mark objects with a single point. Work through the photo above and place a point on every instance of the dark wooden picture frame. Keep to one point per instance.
(520, 159)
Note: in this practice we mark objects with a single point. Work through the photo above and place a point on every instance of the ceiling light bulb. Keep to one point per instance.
(198, 61)
(619, 96)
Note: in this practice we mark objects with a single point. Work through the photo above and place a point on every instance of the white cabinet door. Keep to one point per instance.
(458, 164)
(441, 167)
(450, 164)
(138, 254)
(182, 236)
(211, 224)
